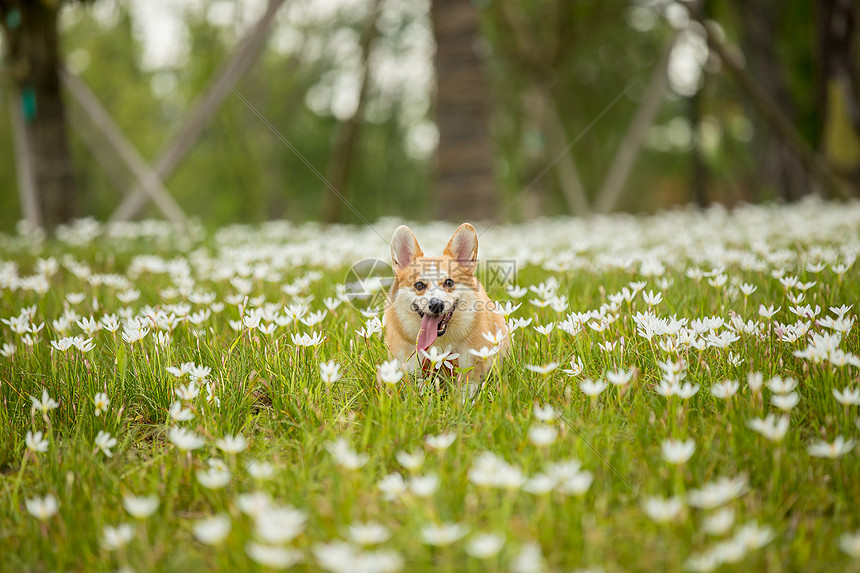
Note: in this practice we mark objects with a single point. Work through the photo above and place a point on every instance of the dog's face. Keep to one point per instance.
(434, 294)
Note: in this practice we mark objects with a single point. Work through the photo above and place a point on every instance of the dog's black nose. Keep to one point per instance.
(436, 306)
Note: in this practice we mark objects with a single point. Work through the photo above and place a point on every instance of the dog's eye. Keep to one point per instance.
(419, 285)
(449, 283)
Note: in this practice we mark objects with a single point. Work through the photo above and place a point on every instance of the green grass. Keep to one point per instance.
(270, 391)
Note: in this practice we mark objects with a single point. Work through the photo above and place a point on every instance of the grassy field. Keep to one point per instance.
(690, 402)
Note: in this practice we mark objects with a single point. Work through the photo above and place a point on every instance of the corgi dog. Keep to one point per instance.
(438, 302)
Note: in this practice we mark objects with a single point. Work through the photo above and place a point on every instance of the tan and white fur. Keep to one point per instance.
(427, 289)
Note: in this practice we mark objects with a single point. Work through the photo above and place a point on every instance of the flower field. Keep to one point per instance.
(681, 393)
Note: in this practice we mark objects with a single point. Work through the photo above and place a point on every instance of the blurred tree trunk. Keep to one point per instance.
(348, 132)
(33, 55)
(838, 90)
(465, 185)
(778, 164)
(699, 177)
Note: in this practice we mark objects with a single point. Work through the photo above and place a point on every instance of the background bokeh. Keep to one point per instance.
(551, 67)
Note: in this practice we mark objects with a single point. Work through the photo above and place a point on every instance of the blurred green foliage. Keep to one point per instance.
(240, 171)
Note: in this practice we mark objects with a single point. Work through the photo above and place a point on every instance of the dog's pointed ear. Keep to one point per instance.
(404, 248)
(463, 246)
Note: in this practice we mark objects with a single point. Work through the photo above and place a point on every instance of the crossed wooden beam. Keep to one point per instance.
(149, 179)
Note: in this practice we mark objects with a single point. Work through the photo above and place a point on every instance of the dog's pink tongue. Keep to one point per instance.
(429, 328)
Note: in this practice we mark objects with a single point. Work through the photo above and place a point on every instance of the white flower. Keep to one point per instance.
(767, 312)
(725, 389)
(686, 390)
(313, 339)
(254, 504)
(489, 469)
(652, 299)
(753, 535)
(676, 451)
(785, 402)
(576, 484)
(330, 372)
(62, 344)
(390, 372)
(392, 486)
(540, 484)
(441, 442)
(260, 470)
(371, 533)
(564, 470)
(735, 359)
(345, 456)
(529, 559)
(516, 291)
(702, 563)
(485, 352)
(313, 318)
(545, 329)
(439, 357)
(180, 414)
(338, 557)
(217, 476)
(848, 396)
(545, 413)
(101, 402)
(838, 448)
(663, 510)
(133, 333)
(36, 443)
(780, 386)
(410, 461)
(105, 442)
(267, 329)
(484, 545)
(770, 427)
(181, 370)
(46, 404)
(592, 388)
(620, 377)
(83, 345)
(543, 368)
(212, 530)
(198, 373)
(849, 543)
(730, 551)
(42, 508)
(716, 493)
(110, 322)
(444, 534)
(188, 391)
(272, 556)
(496, 338)
(542, 435)
(251, 321)
(230, 444)
(719, 522)
(280, 524)
(755, 380)
(576, 367)
(185, 440)
(140, 507)
(424, 486)
(115, 538)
